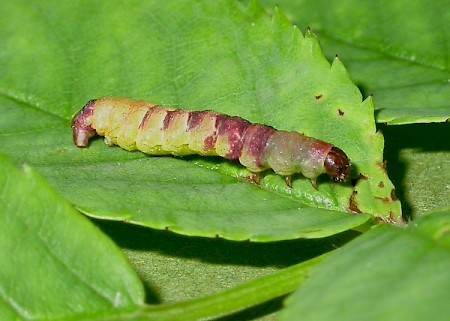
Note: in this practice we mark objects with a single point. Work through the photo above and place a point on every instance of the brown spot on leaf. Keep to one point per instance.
(398, 220)
(318, 97)
(382, 166)
(340, 112)
(353, 205)
(385, 200)
(389, 219)
(380, 219)
(380, 184)
(391, 215)
(393, 195)
(363, 177)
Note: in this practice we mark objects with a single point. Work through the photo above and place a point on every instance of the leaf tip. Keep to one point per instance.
(368, 104)
(338, 69)
(369, 100)
(310, 33)
(279, 18)
(312, 44)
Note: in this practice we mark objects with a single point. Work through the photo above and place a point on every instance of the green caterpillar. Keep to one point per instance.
(156, 130)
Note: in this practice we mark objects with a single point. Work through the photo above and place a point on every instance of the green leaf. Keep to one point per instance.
(386, 274)
(55, 263)
(393, 50)
(216, 55)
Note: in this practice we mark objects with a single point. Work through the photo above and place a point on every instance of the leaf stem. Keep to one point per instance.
(223, 303)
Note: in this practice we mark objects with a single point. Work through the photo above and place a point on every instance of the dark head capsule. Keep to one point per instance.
(337, 165)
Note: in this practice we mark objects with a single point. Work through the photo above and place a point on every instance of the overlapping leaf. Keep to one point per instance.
(55, 263)
(386, 274)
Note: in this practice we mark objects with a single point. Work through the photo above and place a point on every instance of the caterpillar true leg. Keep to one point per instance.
(156, 130)
(288, 180)
(255, 178)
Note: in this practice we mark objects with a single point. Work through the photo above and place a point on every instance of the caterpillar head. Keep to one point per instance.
(81, 125)
(337, 165)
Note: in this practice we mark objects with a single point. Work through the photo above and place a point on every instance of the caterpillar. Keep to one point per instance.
(156, 130)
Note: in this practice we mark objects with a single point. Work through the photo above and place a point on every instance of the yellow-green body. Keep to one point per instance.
(156, 130)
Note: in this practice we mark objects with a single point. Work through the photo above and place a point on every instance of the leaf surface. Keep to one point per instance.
(208, 55)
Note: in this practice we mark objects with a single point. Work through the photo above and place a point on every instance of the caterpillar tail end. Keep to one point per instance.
(81, 125)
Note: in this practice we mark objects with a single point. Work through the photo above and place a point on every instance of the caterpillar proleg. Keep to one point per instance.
(155, 130)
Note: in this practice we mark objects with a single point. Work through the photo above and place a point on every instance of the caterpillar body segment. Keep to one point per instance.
(156, 130)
